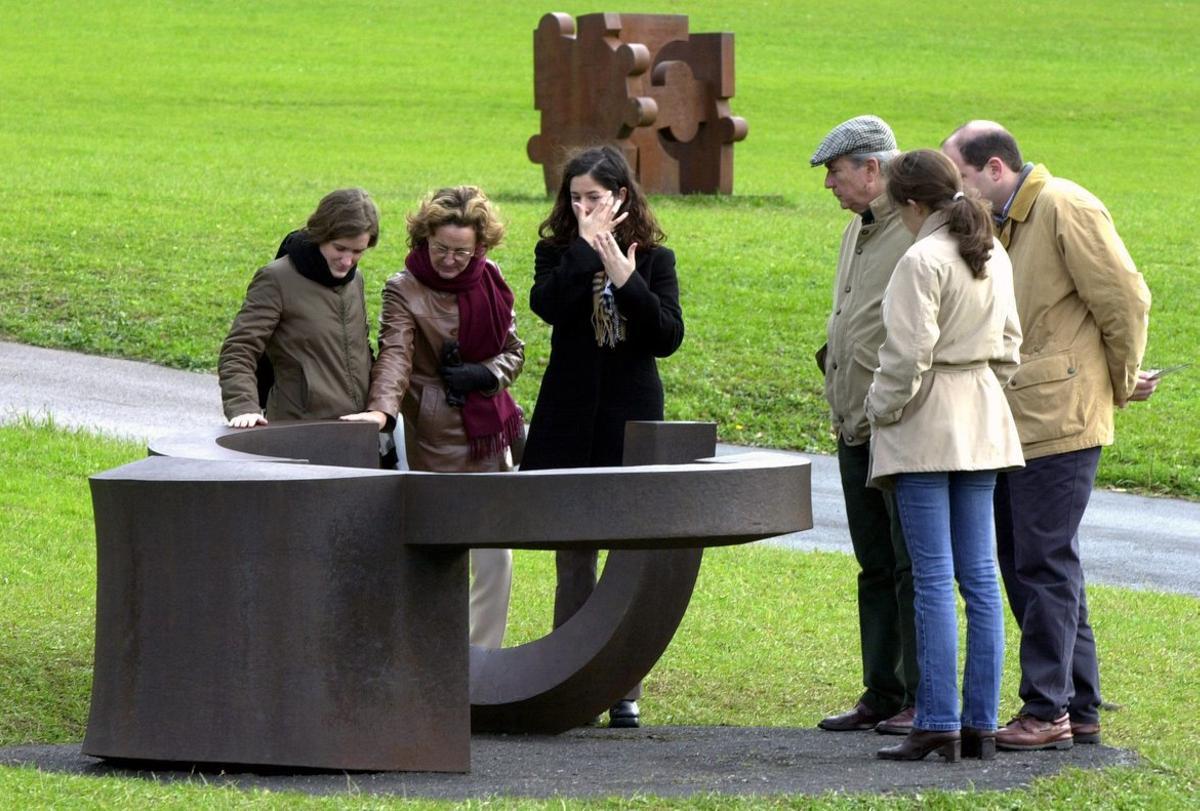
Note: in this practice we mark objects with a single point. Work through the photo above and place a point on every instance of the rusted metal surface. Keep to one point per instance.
(316, 616)
(644, 82)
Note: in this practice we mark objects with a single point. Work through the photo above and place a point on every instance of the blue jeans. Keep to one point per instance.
(947, 519)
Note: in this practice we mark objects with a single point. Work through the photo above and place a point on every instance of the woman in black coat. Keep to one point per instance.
(607, 286)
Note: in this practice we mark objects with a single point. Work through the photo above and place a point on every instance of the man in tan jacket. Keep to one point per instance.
(855, 155)
(1084, 310)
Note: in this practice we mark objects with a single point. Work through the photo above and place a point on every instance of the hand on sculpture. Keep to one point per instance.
(600, 220)
(619, 266)
(247, 420)
(377, 417)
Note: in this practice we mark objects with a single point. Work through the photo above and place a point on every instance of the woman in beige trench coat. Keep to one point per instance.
(941, 428)
(448, 351)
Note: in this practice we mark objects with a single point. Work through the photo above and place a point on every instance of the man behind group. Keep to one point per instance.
(855, 155)
(1084, 308)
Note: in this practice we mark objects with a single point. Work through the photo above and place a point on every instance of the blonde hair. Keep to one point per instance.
(464, 206)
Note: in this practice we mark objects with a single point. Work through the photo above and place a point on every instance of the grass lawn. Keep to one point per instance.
(780, 625)
(156, 153)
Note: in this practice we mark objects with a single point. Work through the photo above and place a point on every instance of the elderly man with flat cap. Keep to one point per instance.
(855, 155)
(1084, 311)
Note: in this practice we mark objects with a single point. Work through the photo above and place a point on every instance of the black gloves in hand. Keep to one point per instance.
(467, 377)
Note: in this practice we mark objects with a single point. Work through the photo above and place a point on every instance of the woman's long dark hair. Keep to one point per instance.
(608, 167)
(931, 179)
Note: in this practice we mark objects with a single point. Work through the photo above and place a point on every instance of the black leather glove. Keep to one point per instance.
(467, 377)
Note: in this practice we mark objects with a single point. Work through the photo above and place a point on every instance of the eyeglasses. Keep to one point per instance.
(458, 254)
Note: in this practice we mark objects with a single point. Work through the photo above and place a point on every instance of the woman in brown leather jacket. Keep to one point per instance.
(448, 351)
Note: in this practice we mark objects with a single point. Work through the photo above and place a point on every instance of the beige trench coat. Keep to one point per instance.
(1084, 309)
(937, 402)
(415, 323)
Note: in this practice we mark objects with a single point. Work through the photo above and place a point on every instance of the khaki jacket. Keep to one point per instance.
(855, 328)
(415, 323)
(316, 338)
(937, 400)
(1084, 309)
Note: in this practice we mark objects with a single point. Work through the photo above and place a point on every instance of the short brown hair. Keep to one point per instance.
(464, 206)
(978, 144)
(344, 213)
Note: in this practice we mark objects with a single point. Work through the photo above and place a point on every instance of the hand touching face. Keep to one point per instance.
(596, 207)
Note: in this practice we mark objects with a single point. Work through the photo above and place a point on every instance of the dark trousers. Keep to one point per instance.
(1038, 510)
(885, 587)
(576, 582)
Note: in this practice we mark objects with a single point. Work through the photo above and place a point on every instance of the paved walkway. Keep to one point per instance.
(655, 761)
(1127, 540)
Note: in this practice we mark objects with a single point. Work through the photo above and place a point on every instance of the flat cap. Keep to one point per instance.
(864, 133)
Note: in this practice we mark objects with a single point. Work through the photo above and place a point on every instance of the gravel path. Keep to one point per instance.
(659, 761)
(1126, 540)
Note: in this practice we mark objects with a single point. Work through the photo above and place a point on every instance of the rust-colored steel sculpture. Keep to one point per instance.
(644, 82)
(265, 610)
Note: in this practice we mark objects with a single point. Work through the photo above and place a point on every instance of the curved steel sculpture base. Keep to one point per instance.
(583, 667)
(306, 615)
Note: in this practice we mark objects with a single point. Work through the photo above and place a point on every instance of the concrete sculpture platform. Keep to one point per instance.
(256, 608)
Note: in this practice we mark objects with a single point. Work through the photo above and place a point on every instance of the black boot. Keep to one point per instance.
(980, 743)
(624, 715)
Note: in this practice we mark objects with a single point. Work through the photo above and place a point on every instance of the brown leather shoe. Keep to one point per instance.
(1026, 732)
(899, 724)
(1085, 733)
(920, 742)
(861, 717)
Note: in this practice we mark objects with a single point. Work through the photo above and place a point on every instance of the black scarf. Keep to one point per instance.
(307, 257)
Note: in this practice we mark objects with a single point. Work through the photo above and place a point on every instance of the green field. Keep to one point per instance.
(157, 151)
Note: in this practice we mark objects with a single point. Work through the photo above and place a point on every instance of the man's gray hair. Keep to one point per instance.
(884, 158)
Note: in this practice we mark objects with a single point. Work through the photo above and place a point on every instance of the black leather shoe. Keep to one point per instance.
(980, 743)
(624, 715)
(921, 742)
(861, 717)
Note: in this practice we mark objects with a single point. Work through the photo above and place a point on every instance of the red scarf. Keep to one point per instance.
(484, 318)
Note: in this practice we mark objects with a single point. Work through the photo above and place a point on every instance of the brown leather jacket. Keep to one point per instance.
(415, 323)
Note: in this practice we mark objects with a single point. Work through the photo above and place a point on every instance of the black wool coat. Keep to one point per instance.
(588, 392)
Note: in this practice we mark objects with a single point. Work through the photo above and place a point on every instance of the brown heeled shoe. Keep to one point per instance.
(920, 742)
(980, 743)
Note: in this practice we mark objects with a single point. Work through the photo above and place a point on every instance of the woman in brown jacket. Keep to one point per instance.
(941, 428)
(448, 351)
(306, 317)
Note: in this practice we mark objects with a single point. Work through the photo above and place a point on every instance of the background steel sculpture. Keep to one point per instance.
(645, 82)
(264, 610)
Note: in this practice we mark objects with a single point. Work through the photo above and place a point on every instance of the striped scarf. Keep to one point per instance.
(607, 320)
